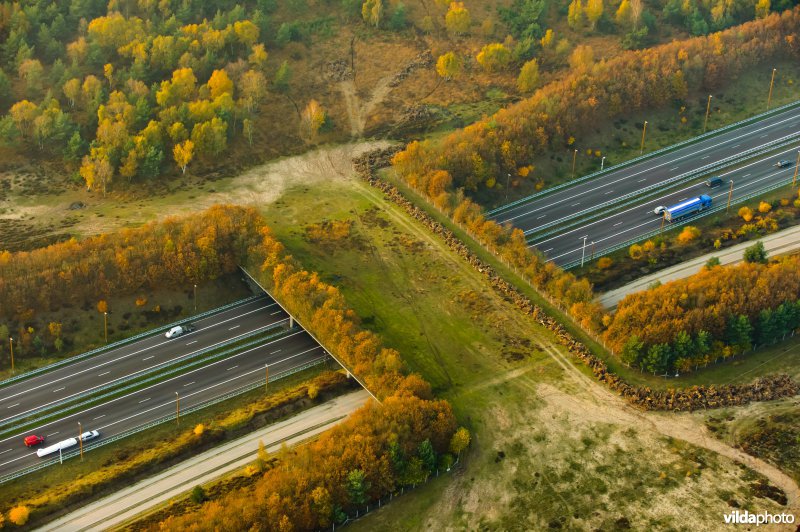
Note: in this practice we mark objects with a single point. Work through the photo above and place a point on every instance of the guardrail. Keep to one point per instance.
(124, 341)
(105, 441)
(679, 179)
(635, 160)
(653, 189)
(114, 384)
(683, 222)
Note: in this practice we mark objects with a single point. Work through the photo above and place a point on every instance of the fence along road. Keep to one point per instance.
(544, 208)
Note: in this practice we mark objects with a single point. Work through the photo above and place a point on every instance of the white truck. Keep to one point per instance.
(179, 330)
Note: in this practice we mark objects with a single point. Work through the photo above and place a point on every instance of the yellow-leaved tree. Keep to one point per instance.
(312, 119)
(183, 153)
(449, 65)
(457, 20)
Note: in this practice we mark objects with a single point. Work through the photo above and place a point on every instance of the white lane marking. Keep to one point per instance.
(234, 327)
(98, 417)
(106, 373)
(189, 394)
(545, 251)
(143, 400)
(651, 168)
(642, 180)
(762, 136)
(574, 204)
(674, 168)
(704, 158)
(234, 367)
(98, 366)
(658, 201)
(618, 223)
(607, 193)
(6, 451)
(53, 434)
(542, 216)
(58, 390)
(192, 342)
(276, 312)
(745, 175)
(278, 351)
(185, 385)
(148, 358)
(12, 406)
(736, 146)
(683, 199)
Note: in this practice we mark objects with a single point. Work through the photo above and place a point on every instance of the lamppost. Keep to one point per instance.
(11, 344)
(644, 130)
(80, 440)
(508, 180)
(796, 168)
(771, 83)
(602, 163)
(266, 381)
(574, 158)
(177, 408)
(583, 253)
(730, 195)
(195, 299)
(105, 325)
(708, 109)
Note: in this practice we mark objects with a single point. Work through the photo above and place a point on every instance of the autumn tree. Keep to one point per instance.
(756, 253)
(688, 234)
(457, 20)
(219, 83)
(494, 56)
(182, 153)
(762, 8)
(746, 213)
(582, 57)
(575, 14)
(449, 65)
(210, 138)
(528, 79)
(623, 14)
(459, 441)
(312, 120)
(372, 11)
(594, 10)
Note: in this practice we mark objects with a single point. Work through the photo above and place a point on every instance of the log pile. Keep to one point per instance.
(694, 398)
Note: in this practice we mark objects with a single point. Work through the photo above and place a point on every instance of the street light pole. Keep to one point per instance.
(602, 163)
(11, 343)
(644, 130)
(771, 83)
(508, 180)
(177, 408)
(266, 381)
(583, 254)
(592, 250)
(796, 168)
(195, 299)
(574, 158)
(730, 195)
(663, 219)
(80, 440)
(105, 325)
(708, 109)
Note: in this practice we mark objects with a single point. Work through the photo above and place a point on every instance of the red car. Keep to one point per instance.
(33, 439)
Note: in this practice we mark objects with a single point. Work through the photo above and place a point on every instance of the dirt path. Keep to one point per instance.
(358, 112)
(612, 408)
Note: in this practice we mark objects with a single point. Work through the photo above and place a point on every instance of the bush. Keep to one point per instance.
(636, 252)
(198, 495)
(688, 235)
(756, 253)
(199, 429)
(764, 207)
(746, 213)
(19, 515)
(313, 391)
(604, 263)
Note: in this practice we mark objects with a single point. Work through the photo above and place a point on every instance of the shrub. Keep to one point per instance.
(603, 263)
(636, 252)
(746, 213)
(313, 391)
(198, 495)
(756, 253)
(764, 207)
(19, 515)
(688, 235)
(199, 429)
(493, 57)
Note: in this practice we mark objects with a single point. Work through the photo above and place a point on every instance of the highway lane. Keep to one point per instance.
(53, 387)
(564, 203)
(159, 400)
(640, 219)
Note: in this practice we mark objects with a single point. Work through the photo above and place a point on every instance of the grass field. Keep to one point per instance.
(550, 447)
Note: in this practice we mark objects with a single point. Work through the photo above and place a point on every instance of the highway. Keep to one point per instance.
(631, 222)
(158, 400)
(561, 205)
(68, 381)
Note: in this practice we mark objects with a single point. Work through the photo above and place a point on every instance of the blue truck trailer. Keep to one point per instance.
(687, 208)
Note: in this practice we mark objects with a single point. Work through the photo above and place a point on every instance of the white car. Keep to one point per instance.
(92, 434)
(179, 330)
(659, 210)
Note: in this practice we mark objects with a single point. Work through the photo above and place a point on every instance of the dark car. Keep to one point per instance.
(714, 182)
(33, 439)
(783, 163)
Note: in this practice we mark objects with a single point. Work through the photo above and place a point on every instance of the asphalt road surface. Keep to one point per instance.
(125, 504)
(562, 204)
(775, 244)
(604, 233)
(159, 400)
(53, 387)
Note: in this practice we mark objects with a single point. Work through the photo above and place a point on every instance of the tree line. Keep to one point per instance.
(717, 313)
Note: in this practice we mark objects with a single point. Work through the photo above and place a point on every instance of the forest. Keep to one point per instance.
(717, 313)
